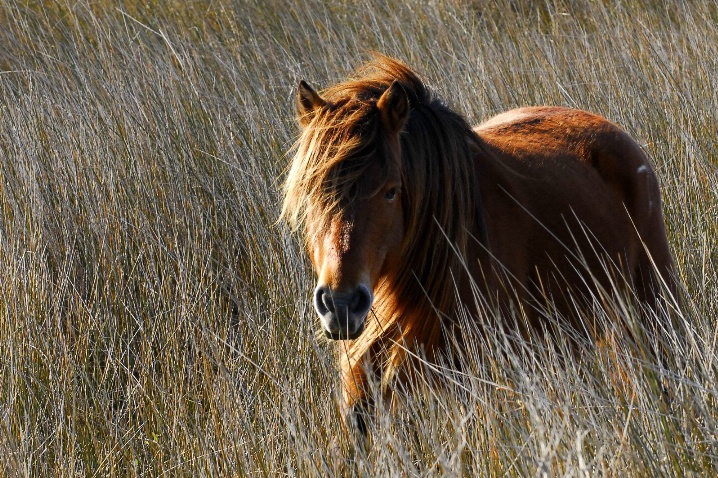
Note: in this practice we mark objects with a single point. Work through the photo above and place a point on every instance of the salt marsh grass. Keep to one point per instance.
(155, 320)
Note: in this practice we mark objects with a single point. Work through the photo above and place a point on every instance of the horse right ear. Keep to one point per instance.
(394, 107)
(308, 101)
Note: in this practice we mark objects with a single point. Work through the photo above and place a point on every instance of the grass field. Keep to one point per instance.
(154, 318)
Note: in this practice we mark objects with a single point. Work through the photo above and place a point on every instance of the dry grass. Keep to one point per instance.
(155, 321)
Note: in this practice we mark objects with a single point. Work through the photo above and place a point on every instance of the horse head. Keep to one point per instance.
(355, 222)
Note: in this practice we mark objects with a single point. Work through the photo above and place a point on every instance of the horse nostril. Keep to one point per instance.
(323, 300)
(361, 301)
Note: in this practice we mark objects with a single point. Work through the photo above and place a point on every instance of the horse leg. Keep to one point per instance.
(357, 419)
(357, 402)
(654, 277)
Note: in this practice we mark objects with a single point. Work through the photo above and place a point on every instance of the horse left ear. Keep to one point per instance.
(394, 107)
(308, 101)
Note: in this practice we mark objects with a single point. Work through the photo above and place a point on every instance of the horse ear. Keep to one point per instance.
(394, 107)
(308, 101)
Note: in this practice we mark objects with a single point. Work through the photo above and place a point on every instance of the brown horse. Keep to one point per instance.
(404, 207)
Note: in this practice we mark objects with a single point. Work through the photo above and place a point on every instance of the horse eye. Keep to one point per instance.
(390, 194)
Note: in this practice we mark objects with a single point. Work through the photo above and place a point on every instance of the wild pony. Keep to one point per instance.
(404, 207)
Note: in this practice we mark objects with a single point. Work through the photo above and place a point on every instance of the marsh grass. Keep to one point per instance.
(154, 319)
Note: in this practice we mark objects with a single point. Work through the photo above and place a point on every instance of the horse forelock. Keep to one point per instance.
(333, 153)
(340, 143)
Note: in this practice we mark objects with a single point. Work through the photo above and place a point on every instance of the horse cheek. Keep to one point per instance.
(394, 237)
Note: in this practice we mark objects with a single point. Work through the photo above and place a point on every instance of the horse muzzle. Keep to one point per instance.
(343, 314)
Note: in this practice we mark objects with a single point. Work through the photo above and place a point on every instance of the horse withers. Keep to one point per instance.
(406, 210)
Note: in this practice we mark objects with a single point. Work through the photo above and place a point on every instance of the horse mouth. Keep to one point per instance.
(342, 335)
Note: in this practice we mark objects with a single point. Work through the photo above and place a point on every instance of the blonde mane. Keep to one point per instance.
(440, 200)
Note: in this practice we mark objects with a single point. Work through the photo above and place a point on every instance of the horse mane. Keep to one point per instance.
(440, 199)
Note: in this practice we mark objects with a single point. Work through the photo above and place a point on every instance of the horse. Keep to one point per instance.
(407, 212)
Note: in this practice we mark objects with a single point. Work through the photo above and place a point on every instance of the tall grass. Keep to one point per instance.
(154, 320)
